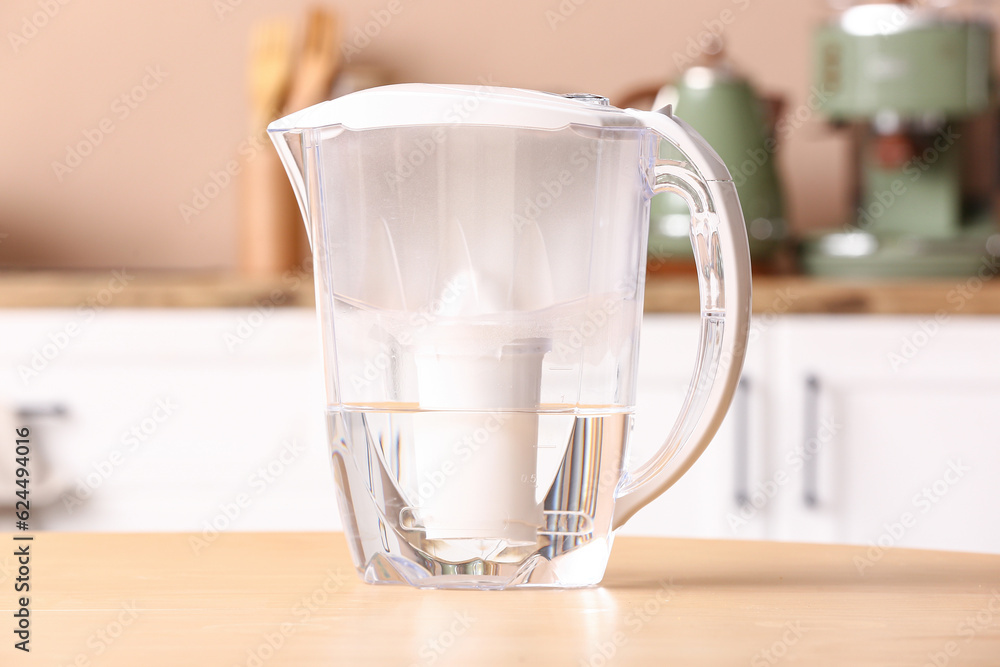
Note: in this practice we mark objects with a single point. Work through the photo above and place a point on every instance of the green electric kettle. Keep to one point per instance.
(722, 106)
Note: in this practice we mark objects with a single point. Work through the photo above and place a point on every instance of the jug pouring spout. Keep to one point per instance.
(290, 145)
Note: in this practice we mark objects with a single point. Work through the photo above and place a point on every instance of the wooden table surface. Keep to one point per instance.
(293, 599)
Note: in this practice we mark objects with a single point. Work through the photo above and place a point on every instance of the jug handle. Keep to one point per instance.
(722, 256)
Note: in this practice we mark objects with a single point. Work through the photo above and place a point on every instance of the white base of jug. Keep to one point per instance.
(585, 568)
(569, 543)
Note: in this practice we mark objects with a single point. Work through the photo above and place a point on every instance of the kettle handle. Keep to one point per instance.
(722, 256)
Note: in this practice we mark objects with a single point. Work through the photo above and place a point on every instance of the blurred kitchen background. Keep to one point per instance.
(121, 205)
(157, 331)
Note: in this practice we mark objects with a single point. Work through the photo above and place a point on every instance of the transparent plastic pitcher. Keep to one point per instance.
(480, 257)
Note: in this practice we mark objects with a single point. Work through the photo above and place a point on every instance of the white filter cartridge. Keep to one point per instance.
(476, 442)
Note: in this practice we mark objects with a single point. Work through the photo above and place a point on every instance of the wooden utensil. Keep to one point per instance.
(318, 62)
(272, 238)
(270, 70)
(267, 238)
(317, 67)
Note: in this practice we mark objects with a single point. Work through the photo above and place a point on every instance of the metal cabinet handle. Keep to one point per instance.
(741, 468)
(810, 472)
(46, 486)
(55, 411)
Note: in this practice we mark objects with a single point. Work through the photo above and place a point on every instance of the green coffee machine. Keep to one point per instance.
(913, 88)
(724, 108)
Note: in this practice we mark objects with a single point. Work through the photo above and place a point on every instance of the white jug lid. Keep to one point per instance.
(448, 105)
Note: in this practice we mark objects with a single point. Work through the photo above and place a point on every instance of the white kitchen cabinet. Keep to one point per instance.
(703, 502)
(902, 414)
(895, 426)
(171, 424)
(861, 429)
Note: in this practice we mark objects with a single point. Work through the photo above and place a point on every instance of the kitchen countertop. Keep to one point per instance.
(294, 599)
(772, 294)
(123, 288)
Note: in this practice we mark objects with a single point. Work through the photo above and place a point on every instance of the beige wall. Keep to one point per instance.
(120, 206)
